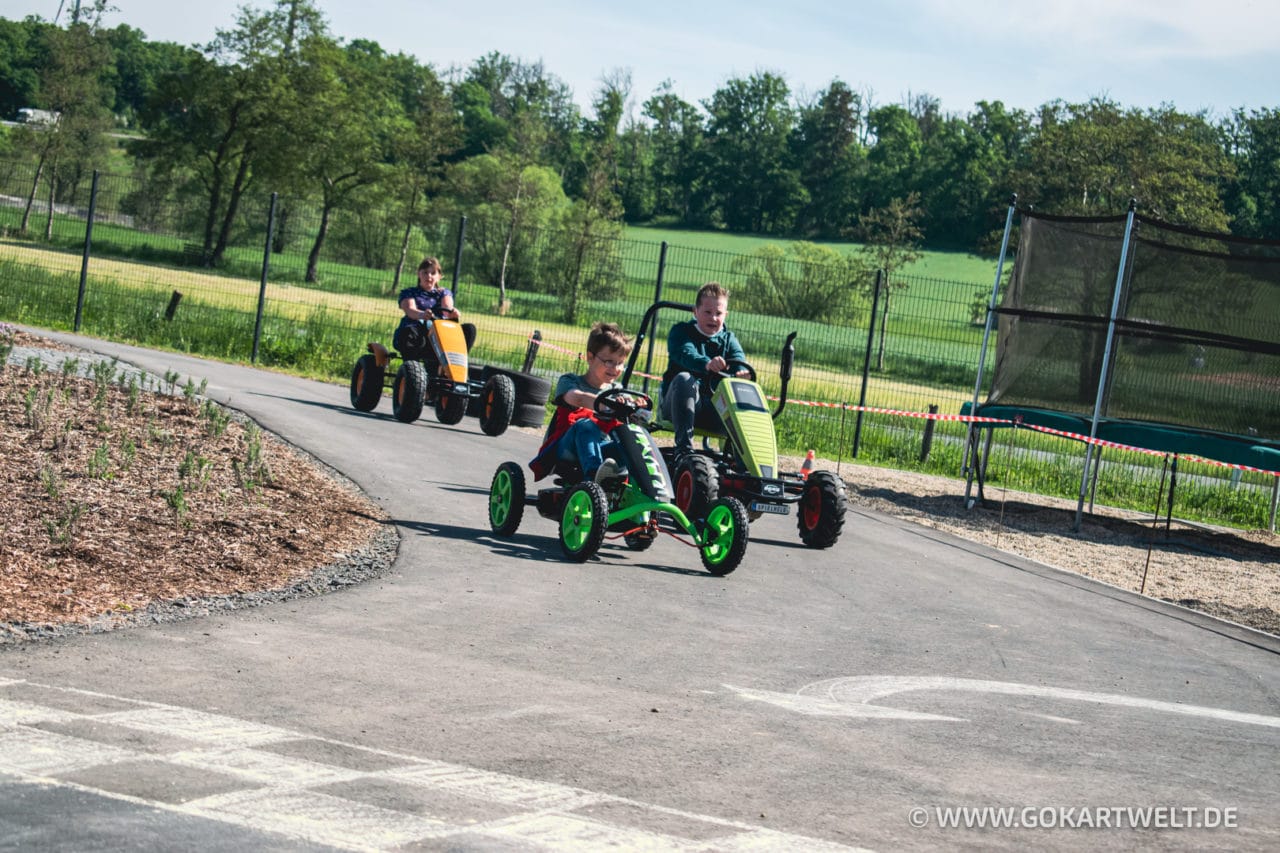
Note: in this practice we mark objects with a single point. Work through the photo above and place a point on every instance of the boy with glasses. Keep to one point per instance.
(574, 434)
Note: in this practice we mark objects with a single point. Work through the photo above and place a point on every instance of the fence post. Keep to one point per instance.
(262, 287)
(926, 443)
(84, 262)
(531, 351)
(653, 326)
(866, 364)
(1275, 499)
(457, 255)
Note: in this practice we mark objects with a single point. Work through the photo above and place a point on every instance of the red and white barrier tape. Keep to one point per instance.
(972, 419)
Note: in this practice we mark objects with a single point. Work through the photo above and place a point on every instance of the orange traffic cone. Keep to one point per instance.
(807, 466)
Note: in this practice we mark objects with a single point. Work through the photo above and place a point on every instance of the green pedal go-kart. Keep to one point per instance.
(745, 462)
(636, 507)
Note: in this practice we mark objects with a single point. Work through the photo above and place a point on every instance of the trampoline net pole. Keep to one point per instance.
(1106, 360)
(986, 338)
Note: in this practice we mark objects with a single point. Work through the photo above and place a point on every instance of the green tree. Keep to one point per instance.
(137, 67)
(73, 89)
(498, 94)
(343, 123)
(221, 119)
(830, 160)
(892, 239)
(749, 167)
(419, 152)
(1252, 142)
(677, 142)
(590, 259)
(23, 52)
(893, 160)
(965, 170)
(1092, 158)
(504, 201)
(636, 167)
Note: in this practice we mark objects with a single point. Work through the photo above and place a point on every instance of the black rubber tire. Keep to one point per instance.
(451, 408)
(407, 391)
(697, 485)
(506, 499)
(587, 505)
(475, 373)
(529, 415)
(498, 403)
(820, 513)
(529, 388)
(718, 556)
(366, 384)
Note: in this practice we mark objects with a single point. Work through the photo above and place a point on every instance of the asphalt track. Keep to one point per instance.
(486, 695)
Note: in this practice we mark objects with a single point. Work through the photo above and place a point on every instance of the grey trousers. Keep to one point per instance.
(679, 405)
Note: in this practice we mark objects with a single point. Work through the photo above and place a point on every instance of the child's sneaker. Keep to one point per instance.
(608, 472)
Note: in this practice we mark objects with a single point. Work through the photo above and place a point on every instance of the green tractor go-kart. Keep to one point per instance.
(745, 464)
(636, 507)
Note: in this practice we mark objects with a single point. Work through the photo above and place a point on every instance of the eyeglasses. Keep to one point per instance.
(609, 363)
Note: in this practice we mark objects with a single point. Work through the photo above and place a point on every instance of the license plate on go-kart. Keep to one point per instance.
(775, 509)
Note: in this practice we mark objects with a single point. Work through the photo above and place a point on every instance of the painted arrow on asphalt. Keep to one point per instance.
(857, 697)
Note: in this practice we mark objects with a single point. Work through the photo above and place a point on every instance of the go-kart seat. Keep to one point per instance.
(567, 474)
(706, 424)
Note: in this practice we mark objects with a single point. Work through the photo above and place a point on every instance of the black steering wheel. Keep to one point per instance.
(731, 368)
(621, 404)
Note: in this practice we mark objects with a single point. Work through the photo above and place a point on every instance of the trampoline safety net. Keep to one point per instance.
(1196, 337)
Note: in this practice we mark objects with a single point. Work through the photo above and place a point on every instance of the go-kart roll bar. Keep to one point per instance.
(784, 371)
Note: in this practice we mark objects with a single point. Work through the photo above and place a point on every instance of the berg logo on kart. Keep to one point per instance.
(650, 463)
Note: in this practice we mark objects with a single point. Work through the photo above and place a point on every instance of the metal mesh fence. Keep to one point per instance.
(162, 270)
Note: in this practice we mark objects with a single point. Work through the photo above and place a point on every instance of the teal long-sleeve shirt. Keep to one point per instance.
(690, 350)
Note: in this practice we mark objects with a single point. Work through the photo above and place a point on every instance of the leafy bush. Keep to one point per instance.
(805, 281)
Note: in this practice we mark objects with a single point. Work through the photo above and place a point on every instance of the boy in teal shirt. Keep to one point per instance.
(696, 349)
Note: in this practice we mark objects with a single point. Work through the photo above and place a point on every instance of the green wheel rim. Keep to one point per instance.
(718, 534)
(500, 499)
(577, 520)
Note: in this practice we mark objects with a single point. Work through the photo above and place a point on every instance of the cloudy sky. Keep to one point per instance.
(1194, 54)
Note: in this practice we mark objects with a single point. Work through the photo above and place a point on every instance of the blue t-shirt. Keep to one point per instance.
(572, 382)
(430, 301)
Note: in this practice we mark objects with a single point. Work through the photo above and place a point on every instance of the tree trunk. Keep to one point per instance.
(282, 223)
(313, 257)
(31, 198)
(53, 197)
(404, 256)
(506, 248)
(238, 188)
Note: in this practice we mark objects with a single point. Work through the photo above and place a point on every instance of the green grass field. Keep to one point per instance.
(319, 331)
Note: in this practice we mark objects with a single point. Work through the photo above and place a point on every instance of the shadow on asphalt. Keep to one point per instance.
(544, 548)
(462, 489)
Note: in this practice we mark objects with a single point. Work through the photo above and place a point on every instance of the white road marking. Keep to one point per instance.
(318, 817)
(855, 697)
(37, 753)
(564, 832)
(14, 713)
(197, 725)
(264, 767)
(275, 793)
(494, 787)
